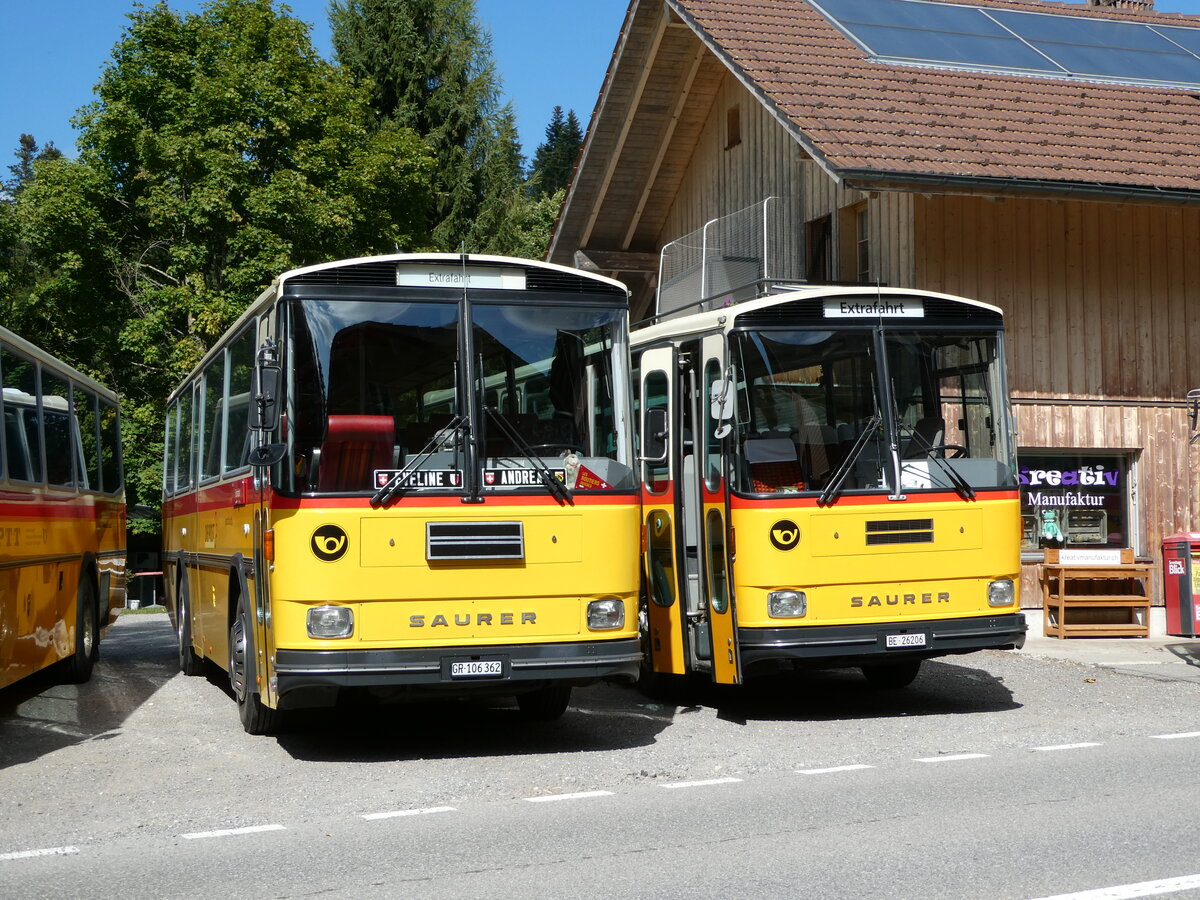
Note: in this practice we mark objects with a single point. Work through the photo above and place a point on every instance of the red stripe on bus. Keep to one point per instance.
(793, 501)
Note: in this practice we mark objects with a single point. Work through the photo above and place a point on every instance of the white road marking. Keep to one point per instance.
(832, 769)
(1171, 737)
(228, 832)
(953, 757)
(409, 812)
(1066, 747)
(582, 795)
(1141, 889)
(705, 783)
(49, 851)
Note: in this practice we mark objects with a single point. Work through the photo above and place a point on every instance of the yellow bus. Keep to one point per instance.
(408, 476)
(62, 514)
(827, 481)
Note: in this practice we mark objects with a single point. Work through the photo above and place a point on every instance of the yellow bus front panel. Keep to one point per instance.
(867, 571)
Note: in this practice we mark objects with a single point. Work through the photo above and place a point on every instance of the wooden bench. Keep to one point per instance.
(1095, 600)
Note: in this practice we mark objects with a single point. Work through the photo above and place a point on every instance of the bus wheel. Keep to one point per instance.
(87, 634)
(256, 717)
(890, 676)
(545, 704)
(190, 662)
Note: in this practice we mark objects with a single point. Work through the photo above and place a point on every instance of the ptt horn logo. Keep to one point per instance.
(785, 534)
(329, 543)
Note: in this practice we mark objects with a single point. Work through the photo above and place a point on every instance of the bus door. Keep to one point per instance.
(184, 523)
(713, 489)
(659, 435)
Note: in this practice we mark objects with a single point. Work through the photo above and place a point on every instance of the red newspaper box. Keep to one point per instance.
(1181, 583)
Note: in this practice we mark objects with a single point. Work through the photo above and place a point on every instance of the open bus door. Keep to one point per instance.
(659, 490)
(715, 400)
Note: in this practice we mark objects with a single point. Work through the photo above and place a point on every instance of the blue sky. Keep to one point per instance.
(548, 52)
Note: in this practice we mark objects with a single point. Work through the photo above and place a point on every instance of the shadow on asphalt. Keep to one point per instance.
(40, 714)
(614, 717)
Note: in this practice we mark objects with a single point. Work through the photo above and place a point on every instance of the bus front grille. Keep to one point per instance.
(456, 541)
(900, 531)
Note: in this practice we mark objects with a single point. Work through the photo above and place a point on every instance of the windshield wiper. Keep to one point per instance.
(397, 482)
(834, 488)
(960, 484)
(557, 489)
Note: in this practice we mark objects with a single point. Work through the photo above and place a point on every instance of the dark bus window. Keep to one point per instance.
(56, 430)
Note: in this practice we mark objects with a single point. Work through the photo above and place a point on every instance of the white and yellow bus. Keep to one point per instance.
(62, 514)
(408, 475)
(827, 481)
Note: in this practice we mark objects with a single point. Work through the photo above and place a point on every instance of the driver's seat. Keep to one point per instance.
(928, 432)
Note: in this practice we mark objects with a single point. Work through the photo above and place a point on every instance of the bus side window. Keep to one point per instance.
(214, 417)
(57, 432)
(110, 448)
(89, 443)
(237, 392)
(184, 449)
(171, 448)
(22, 439)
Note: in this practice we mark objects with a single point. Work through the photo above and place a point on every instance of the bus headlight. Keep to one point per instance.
(1000, 593)
(330, 622)
(605, 615)
(787, 604)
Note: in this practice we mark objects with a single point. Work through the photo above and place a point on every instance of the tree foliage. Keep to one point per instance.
(428, 65)
(221, 150)
(555, 158)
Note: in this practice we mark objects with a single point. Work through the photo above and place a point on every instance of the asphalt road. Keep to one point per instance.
(995, 775)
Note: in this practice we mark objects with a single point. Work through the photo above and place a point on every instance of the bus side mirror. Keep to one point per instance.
(721, 406)
(654, 436)
(264, 391)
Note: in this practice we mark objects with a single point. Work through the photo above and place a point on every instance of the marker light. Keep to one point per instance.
(330, 622)
(1000, 593)
(787, 604)
(605, 615)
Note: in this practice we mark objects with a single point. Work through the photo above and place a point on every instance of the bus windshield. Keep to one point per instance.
(860, 409)
(375, 390)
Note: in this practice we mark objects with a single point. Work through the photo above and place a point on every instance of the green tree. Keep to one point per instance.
(428, 65)
(555, 157)
(28, 153)
(221, 150)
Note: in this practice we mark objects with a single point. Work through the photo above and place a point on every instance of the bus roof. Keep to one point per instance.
(721, 317)
(55, 364)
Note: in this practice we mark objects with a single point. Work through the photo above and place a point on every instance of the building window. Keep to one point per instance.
(818, 239)
(733, 127)
(1076, 499)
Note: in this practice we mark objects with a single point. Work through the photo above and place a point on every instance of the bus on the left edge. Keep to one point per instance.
(62, 514)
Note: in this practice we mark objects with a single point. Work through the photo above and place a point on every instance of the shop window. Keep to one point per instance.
(1076, 500)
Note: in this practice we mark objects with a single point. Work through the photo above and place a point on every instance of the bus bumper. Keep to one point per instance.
(523, 666)
(865, 644)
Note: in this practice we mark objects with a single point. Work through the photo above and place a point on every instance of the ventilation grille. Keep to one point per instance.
(370, 274)
(474, 540)
(568, 283)
(900, 531)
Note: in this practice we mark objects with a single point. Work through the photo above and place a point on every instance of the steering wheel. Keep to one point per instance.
(959, 450)
(566, 447)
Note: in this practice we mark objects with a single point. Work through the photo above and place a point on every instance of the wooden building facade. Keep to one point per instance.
(710, 106)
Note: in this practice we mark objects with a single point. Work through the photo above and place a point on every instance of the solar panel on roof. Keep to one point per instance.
(923, 31)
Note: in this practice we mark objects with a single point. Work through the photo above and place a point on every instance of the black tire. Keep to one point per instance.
(257, 718)
(892, 676)
(545, 704)
(79, 665)
(190, 662)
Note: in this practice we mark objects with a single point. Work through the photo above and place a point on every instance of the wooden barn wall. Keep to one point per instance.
(719, 180)
(1102, 303)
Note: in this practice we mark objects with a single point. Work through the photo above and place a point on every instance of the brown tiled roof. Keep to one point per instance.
(870, 121)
